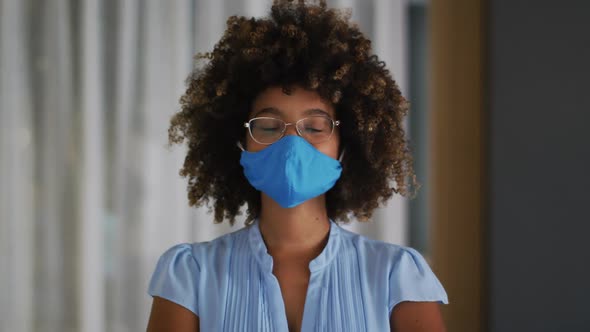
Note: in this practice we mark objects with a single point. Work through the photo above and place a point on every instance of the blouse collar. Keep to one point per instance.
(260, 251)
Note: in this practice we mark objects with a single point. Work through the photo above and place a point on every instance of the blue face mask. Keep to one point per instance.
(290, 171)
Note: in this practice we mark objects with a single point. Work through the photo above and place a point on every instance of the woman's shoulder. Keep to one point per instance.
(377, 249)
(212, 248)
(384, 257)
(180, 268)
(404, 269)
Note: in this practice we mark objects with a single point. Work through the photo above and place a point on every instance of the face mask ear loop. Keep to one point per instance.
(239, 144)
(341, 155)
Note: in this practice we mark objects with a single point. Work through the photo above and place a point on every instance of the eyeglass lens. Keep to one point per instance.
(314, 129)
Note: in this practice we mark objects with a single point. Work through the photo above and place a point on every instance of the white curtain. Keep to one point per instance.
(90, 195)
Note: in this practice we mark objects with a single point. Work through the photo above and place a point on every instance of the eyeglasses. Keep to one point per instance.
(315, 129)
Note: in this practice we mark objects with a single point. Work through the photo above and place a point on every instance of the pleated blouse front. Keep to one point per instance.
(354, 283)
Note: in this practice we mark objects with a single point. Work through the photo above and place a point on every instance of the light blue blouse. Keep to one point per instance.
(354, 284)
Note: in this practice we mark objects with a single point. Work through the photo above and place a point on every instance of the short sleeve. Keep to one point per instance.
(176, 277)
(411, 279)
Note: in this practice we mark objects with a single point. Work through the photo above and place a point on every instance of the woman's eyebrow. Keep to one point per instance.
(316, 111)
(276, 111)
(270, 110)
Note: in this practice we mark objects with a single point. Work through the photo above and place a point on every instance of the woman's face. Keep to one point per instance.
(301, 103)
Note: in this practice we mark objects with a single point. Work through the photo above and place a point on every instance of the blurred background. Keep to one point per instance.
(91, 197)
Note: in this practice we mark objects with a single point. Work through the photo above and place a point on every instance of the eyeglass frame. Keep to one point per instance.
(335, 123)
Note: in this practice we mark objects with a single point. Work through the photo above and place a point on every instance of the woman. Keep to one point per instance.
(295, 117)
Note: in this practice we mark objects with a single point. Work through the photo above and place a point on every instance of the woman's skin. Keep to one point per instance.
(295, 236)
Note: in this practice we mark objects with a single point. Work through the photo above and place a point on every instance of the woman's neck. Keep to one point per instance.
(301, 230)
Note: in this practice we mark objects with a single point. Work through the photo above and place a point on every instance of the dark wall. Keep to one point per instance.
(539, 108)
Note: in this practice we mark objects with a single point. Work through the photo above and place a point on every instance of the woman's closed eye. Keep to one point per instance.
(269, 129)
(312, 130)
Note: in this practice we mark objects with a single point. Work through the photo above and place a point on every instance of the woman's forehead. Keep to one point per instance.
(280, 113)
(299, 102)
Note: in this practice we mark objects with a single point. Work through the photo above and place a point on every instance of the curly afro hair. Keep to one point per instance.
(298, 44)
